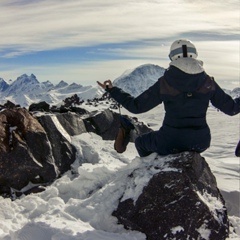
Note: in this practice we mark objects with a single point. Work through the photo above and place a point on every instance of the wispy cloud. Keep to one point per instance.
(42, 25)
(32, 31)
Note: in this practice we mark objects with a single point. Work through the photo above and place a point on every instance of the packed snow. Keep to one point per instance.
(78, 206)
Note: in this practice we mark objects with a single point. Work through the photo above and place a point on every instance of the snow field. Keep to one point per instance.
(78, 205)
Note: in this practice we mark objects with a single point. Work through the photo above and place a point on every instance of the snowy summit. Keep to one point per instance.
(139, 79)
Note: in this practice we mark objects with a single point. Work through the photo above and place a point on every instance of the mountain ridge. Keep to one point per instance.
(26, 90)
(139, 79)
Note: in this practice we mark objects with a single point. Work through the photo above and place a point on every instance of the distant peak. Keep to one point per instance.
(33, 76)
(75, 85)
(61, 84)
(3, 84)
(26, 78)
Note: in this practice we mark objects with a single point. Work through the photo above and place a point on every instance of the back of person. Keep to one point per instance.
(186, 91)
(185, 127)
(188, 107)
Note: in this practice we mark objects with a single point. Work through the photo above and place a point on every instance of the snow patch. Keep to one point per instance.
(177, 229)
(204, 232)
(215, 205)
(60, 128)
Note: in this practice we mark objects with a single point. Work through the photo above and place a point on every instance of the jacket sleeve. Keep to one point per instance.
(224, 102)
(142, 103)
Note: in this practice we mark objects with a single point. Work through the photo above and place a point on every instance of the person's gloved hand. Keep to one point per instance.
(106, 84)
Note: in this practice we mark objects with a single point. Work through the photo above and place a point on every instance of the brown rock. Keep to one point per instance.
(25, 152)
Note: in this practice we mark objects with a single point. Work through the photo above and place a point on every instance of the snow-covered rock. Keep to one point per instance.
(79, 205)
(41, 145)
(180, 200)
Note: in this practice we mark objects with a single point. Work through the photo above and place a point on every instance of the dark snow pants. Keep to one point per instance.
(171, 140)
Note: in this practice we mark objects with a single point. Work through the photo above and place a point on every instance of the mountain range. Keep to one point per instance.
(27, 89)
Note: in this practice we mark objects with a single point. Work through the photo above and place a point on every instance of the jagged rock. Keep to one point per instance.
(181, 201)
(39, 149)
(73, 100)
(64, 109)
(78, 110)
(10, 105)
(41, 106)
(72, 123)
(63, 151)
(102, 122)
(25, 152)
(107, 122)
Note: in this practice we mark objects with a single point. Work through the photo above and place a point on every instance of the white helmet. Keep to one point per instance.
(182, 48)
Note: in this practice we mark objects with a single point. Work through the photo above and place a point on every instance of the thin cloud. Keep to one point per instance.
(37, 36)
(44, 25)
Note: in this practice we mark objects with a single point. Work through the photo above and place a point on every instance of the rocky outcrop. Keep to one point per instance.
(41, 106)
(38, 148)
(8, 105)
(63, 151)
(106, 124)
(181, 201)
(25, 152)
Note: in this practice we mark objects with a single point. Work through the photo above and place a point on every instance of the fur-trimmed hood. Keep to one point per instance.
(188, 65)
(185, 74)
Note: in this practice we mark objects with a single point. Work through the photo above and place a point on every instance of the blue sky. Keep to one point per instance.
(87, 40)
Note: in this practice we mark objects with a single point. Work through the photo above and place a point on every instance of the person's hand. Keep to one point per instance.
(106, 84)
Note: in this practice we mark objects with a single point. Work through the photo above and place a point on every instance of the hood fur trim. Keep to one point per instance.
(188, 65)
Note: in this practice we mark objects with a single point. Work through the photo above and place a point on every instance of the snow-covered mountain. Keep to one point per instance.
(27, 89)
(3, 85)
(139, 79)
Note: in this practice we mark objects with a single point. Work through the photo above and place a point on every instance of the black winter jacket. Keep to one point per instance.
(186, 98)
